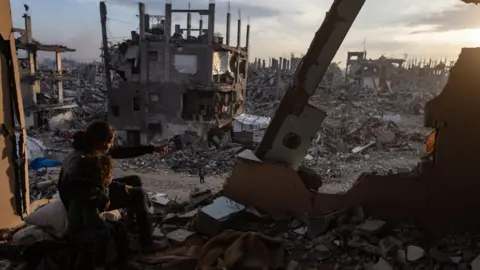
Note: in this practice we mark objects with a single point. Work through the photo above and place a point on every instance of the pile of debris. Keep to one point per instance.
(92, 105)
(365, 130)
(198, 233)
(215, 161)
(43, 183)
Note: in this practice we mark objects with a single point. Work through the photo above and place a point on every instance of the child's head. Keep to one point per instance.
(98, 167)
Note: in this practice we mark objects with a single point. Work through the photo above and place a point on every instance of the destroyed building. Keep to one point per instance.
(94, 74)
(172, 81)
(40, 105)
(379, 74)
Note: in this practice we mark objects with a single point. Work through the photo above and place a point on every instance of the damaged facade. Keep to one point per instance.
(378, 73)
(168, 84)
(40, 106)
(94, 74)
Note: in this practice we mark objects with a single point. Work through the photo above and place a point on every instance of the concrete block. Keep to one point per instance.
(215, 217)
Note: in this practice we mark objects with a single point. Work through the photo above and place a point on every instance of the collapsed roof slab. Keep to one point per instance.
(44, 48)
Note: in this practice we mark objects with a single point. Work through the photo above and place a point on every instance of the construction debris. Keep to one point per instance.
(348, 242)
(365, 130)
(374, 112)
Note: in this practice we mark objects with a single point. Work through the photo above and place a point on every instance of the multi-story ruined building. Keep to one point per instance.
(368, 73)
(39, 106)
(94, 73)
(173, 80)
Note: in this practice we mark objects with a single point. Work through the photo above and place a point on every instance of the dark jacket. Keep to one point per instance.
(68, 183)
(84, 210)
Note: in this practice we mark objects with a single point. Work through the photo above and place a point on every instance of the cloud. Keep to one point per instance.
(458, 17)
(247, 9)
(398, 49)
(278, 27)
(87, 46)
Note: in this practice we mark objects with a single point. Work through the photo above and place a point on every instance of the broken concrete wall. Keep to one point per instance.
(159, 113)
(187, 63)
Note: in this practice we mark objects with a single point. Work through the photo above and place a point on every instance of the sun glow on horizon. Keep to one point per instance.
(466, 37)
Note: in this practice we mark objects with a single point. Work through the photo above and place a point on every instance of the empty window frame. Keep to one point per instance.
(136, 103)
(154, 97)
(115, 110)
(153, 56)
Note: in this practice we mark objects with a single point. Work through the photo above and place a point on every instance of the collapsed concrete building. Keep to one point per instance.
(40, 107)
(168, 83)
(380, 73)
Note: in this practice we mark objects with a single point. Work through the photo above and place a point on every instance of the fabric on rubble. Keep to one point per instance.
(51, 217)
(35, 148)
(241, 250)
(49, 255)
(102, 247)
(30, 235)
(40, 163)
(228, 250)
(76, 254)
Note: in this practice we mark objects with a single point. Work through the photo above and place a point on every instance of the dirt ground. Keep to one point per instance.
(177, 186)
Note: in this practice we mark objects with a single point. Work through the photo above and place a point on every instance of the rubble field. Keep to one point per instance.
(209, 231)
(366, 130)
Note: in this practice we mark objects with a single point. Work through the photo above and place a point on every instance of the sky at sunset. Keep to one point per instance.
(393, 28)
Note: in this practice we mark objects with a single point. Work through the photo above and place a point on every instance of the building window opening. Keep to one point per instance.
(153, 56)
(136, 103)
(154, 97)
(135, 68)
(115, 111)
(134, 137)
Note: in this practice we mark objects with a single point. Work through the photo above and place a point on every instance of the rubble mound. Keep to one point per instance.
(215, 161)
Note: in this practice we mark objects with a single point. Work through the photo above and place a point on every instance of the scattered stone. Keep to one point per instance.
(30, 235)
(358, 214)
(159, 198)
(371, 226)
(439, 255)
(217, 216)
(456, 259)
(401, 257)
(179, 236)
(323, 252)
(199, 197)
(188, 215)
(388, 244)
(158, 234)
(382, 265)
(476, 263)
(301, 231)
(364, 246)
(293, 265)
(414, 253)
(254, 211)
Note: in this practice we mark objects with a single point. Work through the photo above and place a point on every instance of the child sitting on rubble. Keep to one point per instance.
(201, 174)
(85, 223)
